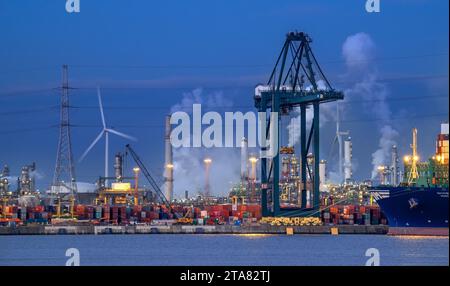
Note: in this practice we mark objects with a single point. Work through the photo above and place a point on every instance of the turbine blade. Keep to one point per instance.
(121, 134)
(101, 107)
(332, 146)
(91, 146)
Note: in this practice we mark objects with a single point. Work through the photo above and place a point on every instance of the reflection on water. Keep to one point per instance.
(215, 249)
(252, 235)
(415, 237)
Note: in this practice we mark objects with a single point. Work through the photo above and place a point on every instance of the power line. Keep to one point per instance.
(251, 106)
(24, 130)
(424, 117)
(140, 107)
(252, 86)
(206, 86)
(266, 65)
(342, 121)
(29, 110)
(217, 66)
(396, 118)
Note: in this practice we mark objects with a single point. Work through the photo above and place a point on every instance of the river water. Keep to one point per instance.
(207, 249)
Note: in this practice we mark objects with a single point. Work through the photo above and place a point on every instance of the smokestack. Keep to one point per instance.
(347, 160)
(394, 166)
(244, 159)
(118, 167)
(322, 173)
(168, 167)
(207, 162)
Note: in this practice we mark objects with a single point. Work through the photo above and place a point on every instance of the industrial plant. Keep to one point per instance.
(292, 188)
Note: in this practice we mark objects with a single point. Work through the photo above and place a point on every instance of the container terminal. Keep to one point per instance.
(287, 193)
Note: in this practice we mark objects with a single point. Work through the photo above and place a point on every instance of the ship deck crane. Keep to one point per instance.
(150, 179)
(285, 89)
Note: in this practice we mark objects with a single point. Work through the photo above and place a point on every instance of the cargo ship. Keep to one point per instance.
(420, 202)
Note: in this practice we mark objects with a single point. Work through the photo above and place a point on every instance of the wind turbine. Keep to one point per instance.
(338, 139)
(105, 131)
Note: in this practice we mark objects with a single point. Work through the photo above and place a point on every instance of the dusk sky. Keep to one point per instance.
(147, 56)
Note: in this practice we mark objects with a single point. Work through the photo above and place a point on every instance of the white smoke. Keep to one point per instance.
(326, 114)
(189, 169)
(37, 175)
(380, 156)
(358, 51)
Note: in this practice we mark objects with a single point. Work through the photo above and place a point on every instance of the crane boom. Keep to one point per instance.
(147, 175)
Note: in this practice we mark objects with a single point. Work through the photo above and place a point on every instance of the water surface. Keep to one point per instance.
(207, 249)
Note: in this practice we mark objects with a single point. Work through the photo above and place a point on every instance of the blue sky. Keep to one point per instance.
(147, 54)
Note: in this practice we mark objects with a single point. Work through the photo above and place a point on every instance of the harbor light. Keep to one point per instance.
(253, 159)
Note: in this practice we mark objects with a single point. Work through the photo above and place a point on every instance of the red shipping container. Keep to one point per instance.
(242, 208)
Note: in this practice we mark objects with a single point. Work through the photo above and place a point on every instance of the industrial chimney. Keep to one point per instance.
(322, 174)
(244, 159)
(118, 167)
(168, 167)
(348, 160)
(394, 166)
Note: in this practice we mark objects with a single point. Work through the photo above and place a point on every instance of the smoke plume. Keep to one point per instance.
(189, 169)
(326, 114)
(359, 51)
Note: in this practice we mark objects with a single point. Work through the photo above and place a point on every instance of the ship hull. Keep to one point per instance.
(413, 206)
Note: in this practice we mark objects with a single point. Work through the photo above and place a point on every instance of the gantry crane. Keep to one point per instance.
(285, 89)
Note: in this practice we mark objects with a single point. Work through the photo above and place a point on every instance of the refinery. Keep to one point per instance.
(279, 194)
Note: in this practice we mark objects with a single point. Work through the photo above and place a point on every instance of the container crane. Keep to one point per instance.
(296, 81)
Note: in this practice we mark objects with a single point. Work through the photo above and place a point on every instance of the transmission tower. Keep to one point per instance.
(64, 176)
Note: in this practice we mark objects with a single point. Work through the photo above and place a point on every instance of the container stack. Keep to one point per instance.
(353, 214)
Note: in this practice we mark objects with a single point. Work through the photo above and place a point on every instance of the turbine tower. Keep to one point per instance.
(64, 176)
(338, 139)
(105, 131)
